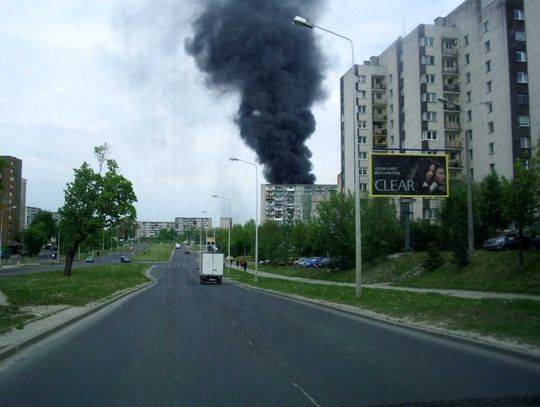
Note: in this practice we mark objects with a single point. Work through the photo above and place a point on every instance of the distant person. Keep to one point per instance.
(244, 264)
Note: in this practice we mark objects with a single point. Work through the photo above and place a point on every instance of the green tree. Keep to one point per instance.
(521, 202)
(334, 227)
(489, 208)
(46, 218)
(166, 235)
(35, 237)
(93, 202)
(453, 221)
(381, 230)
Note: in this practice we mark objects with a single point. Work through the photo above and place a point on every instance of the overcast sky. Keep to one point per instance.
(76, 73)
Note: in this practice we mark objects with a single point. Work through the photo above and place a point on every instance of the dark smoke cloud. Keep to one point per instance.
(251, 46)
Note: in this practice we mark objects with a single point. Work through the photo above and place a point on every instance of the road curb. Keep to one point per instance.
(455, 336)
(11, 350)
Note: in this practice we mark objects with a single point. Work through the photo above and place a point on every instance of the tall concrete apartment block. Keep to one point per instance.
(482, 59)
(11, 195)
(287, 203)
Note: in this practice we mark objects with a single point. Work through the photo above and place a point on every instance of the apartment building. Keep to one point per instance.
(286, 203)
(466, 86)
(11, 196)
(180, 225)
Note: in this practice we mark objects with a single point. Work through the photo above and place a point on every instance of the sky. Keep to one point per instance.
(75, 74)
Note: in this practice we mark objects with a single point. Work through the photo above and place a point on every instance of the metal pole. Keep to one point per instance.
(303, 22)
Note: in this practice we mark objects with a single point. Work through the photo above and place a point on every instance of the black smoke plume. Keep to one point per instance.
(252, 47)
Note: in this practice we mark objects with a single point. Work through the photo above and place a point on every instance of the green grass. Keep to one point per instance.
(12, 317)
(84, 286)
(505, 319)
(488, 271)
(156, 252)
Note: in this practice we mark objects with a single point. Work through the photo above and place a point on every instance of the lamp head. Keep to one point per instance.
(302, 22)
(233, 159)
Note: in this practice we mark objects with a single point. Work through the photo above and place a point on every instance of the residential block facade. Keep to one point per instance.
(466, 86)
(287, 203)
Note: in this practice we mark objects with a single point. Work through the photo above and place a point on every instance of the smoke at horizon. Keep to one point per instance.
(252, 47)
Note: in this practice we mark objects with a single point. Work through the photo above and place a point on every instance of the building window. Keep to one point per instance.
(362, 155)
(487, 46)
(362, 171)
(467, 59)
(428, 78)
(468, 134)
(520, 35)
(392, 123)
(468, 77)
(491, 148)
(468, 96)
(471, 154)
(426, 41)
(466, 40)
(362, 109)
(469, 115)
(429, 97)
(488, 66)
(391, 93)
(488, 86)
(361, 94)
(491, 127)
(490, 107)
(362, 140)
(429, 116)
(521, 56)
(427, 60)
(523, 98)
(522, 77)
(519, 14)
(524, 120)
(525, 142)
(363, 186)
(362, 79)
(362, 124)
(492, 168)
(486, 26)
(429, 135)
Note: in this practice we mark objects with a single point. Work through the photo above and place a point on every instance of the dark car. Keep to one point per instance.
(315, 262)
(125, 259)
(506, 241)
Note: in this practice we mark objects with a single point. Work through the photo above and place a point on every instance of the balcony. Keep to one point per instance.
(379, 132)
(379, 99)
(451, 87)
(380, 142)
(452, 125)
(449, 51)
(454, 164)
(451, 107)
(453, 144)
(379, 117)
(378, 85)
(450, 70)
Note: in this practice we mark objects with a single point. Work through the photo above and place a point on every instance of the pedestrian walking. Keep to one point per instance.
(244, 264)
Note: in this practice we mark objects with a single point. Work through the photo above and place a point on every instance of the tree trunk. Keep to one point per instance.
(70, 256)
(521, 245)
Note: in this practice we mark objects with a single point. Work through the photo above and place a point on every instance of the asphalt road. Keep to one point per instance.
(180, 343)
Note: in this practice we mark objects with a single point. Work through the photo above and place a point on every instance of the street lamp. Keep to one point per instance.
(229, 225)
(470, 221)
(2, 228)
(304, 22)
(256, 213)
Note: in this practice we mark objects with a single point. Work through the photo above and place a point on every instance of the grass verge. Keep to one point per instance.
(154, 252)
(517, 320)
(86, 285)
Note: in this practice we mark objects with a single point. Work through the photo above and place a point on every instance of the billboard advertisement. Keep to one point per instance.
(409, 175)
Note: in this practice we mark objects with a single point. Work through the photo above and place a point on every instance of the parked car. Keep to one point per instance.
(506, 241)
(301, 262)
(315, 262)
(89, 259)
(125, 259)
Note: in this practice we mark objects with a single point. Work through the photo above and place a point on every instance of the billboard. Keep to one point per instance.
(408, 175)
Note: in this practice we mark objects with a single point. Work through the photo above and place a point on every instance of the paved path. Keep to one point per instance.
(385, 286)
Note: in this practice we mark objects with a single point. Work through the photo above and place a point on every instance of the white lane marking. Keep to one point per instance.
(306, 394)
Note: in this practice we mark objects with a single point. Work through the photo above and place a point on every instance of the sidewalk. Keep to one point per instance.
(387, 286)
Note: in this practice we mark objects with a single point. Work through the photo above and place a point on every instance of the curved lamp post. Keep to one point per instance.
(304, 22)
(256, 213)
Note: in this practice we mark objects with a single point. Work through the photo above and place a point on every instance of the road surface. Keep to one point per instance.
(180, 343)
